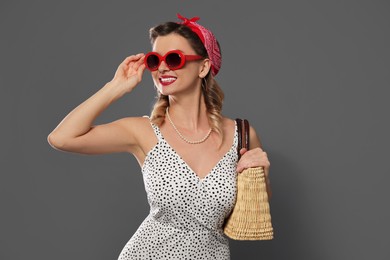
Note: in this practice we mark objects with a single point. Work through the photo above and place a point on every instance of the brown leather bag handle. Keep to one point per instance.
(243, 135)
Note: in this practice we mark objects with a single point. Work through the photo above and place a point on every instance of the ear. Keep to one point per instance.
(204, 68)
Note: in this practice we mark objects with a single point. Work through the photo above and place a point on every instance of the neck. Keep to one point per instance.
(189, 112)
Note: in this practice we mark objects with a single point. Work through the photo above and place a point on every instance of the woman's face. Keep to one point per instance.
(185, 79)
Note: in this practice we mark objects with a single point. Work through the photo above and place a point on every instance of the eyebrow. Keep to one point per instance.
(169, 51)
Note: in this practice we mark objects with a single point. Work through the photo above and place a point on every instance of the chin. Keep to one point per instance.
(167, 89)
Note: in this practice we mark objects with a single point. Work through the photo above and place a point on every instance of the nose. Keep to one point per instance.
(163, 67)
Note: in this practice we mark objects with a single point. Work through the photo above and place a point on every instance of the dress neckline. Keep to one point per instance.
(211, 171)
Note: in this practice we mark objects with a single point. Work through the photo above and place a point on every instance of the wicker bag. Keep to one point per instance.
(250, 218)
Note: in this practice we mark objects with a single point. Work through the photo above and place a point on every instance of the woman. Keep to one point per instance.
(186, 149)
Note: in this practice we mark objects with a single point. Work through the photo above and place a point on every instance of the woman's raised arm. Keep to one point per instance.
(75, 133)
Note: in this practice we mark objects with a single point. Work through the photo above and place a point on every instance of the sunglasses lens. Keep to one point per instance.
(173, 60)
(152, 61)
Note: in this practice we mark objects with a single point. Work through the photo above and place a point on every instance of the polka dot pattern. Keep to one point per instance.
(186, 212)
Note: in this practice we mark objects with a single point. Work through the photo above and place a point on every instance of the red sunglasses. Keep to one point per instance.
(174, 59)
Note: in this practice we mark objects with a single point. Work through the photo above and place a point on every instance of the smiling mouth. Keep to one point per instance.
(165, 81)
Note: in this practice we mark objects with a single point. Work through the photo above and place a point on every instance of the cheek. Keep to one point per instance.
(154, 77)
(156, 81)
(189, 72)
(193, 70)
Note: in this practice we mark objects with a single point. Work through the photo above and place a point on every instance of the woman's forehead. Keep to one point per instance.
(172, 41)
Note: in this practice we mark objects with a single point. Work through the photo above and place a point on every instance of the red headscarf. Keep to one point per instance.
(208, 39)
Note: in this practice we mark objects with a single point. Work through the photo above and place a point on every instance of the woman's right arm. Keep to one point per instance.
(75, 133)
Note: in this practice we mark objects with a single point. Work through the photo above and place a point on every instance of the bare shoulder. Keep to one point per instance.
(228, 126)
(227, 122)
(141, 130)
(134, 124)
(138, 127)
(254, 138)
(253, 135)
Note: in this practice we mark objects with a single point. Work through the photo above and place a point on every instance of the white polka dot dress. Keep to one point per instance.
(186, 212)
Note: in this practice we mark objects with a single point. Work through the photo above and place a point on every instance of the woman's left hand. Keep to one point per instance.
(253, 158)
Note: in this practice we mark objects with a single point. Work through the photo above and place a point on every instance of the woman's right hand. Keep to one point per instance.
(129, 72)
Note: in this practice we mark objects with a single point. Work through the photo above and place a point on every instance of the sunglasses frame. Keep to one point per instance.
(184, 59)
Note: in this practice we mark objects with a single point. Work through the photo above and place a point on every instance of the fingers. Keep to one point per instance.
(139, 67)
(139, 63)
(125, 64)
(253, 158)
(243, 150)
(247, 164)
(129, 72)
(132, 65)
(141, 70)
(131, 58)
(256, 152)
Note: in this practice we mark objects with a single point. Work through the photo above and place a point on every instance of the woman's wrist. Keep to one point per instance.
(115, 90)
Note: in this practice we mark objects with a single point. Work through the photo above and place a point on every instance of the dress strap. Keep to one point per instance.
(235, 140)
(156, 130)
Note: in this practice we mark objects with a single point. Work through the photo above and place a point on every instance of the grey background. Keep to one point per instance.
(311, 76)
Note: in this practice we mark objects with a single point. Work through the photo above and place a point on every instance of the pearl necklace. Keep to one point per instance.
(182, 137)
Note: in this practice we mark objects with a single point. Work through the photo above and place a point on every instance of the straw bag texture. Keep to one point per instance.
(250, 218)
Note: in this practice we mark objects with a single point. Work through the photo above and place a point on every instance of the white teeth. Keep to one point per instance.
(166, 80)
